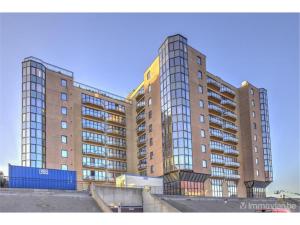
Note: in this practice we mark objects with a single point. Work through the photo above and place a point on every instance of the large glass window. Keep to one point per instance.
(33, 114)
(217, 190)
(175, 104)
(232, 186)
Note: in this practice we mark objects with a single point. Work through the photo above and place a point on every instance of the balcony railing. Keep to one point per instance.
(231, 151)
(230, 126)
(232, 164)
(215, 108)
(232, 176)
(142, 154)
(217, 148)
(228, 102)
(140, 129)
(217, 161)
(216, 133)
(140, 105)
(214, 95)
(216, 120)
(140, 94)
(142, 166)
(140, 117)
(213, 82)
(230, 138)
(141, 141)
(229, 114)
(217, 174)
(225, 89)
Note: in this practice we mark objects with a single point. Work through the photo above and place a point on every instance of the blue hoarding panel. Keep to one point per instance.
(38, 178)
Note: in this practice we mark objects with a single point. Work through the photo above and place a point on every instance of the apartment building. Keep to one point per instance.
(202, 135)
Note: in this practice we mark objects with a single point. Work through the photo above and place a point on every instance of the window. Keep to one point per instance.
(253, 103)
(64, 139)
(149, 88)
(201, 104)
(150, 128)
(151, 141)
(149, 101)
(202, 133)
(256, 161)
(201, 118)
(198, 60)
(255, 149)
(148, 75)
(200, 89)
(64, 110)
(217, 189)
(64, 167)
(150, 114)
(253, 114)
(63, 83)
(151, 155)
(152, 169)
(199, 75)
(251, 91)
(64, 153)
(255, 137)
(64, 125)
(204, 163)
(203, 148)
(63, 96)
(254, 125)
(257, 173)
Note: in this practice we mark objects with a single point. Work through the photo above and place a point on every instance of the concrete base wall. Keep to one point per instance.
(151, 203)
(113, 196)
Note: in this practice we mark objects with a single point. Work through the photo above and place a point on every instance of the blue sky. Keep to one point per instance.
(111, 51)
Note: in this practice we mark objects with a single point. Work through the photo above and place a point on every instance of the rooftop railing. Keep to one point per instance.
(101, 92)
(50, 66)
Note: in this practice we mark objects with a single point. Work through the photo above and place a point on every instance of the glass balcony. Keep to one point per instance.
(232, 164)
(140, 94)
(140, 129)
(140, 117)
(216, 120)
(229, 114)
(142, 153)
(216, 133)
(232, 176)
(231, 151)
(213, 82)
(140, 105)
(217, 174)
(215, 108)
(216, 148)
(228, 102)
(230, 138)
(141, 140)
(227, 90)
(217, 161)
(142, 166)
(214, 96)
(230, 126)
